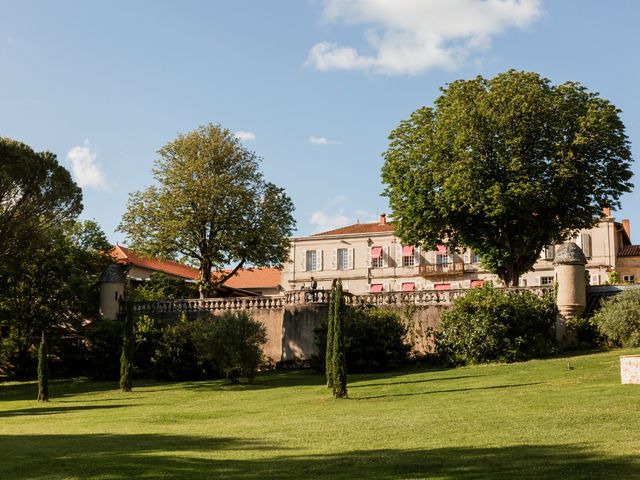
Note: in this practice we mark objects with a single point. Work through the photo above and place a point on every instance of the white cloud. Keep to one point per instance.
(85, 169)
(324, 221)
(321, 141)
(366, 216)
(411, 36)
(245, 136)
(336, 199)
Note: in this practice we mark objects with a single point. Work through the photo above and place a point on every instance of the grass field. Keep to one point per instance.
(564, 418)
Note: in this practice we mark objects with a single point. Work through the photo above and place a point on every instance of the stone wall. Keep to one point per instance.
(291, 319)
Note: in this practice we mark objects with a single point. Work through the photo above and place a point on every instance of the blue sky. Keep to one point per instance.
(316, 86)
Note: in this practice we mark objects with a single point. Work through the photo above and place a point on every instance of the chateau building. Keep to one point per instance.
(368, 257)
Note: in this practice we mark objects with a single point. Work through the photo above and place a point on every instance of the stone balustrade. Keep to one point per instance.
(303, 297)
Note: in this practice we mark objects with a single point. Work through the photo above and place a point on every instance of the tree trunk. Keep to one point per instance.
(204, 285)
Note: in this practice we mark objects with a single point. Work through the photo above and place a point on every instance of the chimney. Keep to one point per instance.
(383, 219)
(627, 229)
(606, 212)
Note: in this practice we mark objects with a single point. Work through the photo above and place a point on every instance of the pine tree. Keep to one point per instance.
(339, 364)
(126, 359)
(43, 371)
(330, 337)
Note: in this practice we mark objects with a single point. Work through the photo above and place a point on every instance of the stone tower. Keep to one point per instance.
(111, 291)
(569, 265)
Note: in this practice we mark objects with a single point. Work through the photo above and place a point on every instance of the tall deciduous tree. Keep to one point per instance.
(211, 207)
(55, 288)
(36, 195)
(505, 166)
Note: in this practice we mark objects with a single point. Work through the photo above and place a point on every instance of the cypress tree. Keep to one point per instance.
(330, 327)
(43, 371)
(126, 359)
(339, 367)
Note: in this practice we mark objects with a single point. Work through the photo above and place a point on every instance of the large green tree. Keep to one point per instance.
(54, 290)
(505, 166)
(211, 208)
(36, 195)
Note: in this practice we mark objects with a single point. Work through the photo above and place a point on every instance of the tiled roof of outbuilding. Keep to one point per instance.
(630, 251)
(170, 267)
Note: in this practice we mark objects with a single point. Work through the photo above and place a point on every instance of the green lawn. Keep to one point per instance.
(538, 419)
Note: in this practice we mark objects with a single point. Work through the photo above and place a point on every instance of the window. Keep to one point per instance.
(473, 258)
(343, 258)
(629, 278)
(442, 286)
(595, 280)
(477, 283)
(442, 259)
(546, 280)
(376, 288)
(408, 260)
(312, 260)
(377, 258)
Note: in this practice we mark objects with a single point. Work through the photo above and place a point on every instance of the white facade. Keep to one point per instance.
(369, 258)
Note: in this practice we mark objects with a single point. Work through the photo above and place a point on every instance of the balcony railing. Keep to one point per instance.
(439, 270)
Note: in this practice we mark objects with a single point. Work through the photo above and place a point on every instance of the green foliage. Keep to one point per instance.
(103, 349)
(338, 358)
(57, 288)
(505, 166)
(233, 342)
(37, 194)
(330, 339)
(488, 325)
(583, 333)
(175, 356)
(614, 278)
(162, 287)
(619, 318)
(211, 207)
(374, 341)
(126, 358)
(43, 371)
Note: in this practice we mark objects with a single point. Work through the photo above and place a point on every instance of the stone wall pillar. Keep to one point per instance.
(111, 291)
(569, 268)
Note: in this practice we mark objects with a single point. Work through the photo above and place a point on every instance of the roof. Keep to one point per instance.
(170, 267)
(257, 278)
(630, 251)
(243, 279)
(359, 228)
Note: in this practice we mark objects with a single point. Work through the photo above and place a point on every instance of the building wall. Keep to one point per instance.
(600, 244)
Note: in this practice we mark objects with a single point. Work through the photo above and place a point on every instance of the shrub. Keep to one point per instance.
(233, 342)
(374, 340)
(619, 318)
(175, 356)
(487, 325)
(104, 344)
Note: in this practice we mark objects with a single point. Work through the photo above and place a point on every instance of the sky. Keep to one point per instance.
(313, 87)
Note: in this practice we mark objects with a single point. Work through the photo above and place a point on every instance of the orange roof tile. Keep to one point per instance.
(170, 267)
(359, 228)
(256, 278)
(630, 251)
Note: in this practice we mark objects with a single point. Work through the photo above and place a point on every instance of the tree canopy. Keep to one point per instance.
(36, 194)
(506, 166)
(211, 208)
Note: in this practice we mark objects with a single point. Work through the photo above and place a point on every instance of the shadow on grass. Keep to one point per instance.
(187, 457)
(451, 390)
(53, 410)
(410, 382)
